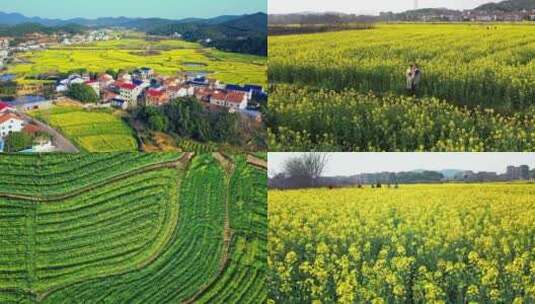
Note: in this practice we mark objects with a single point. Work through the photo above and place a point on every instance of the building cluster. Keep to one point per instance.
(440, 15)
(512, 173)
(4, 51)
(11, 121)
(145, 87)
(101, 35)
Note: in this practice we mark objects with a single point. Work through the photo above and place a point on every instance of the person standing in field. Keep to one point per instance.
(413, 75)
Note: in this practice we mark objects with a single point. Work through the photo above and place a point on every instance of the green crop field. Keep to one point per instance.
(166, 57)
(132, 228)
(92, 131)
(495, 72)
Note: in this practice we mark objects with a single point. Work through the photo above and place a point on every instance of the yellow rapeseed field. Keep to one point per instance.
(454, 243)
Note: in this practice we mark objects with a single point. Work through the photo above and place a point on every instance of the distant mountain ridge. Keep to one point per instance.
(16, 19)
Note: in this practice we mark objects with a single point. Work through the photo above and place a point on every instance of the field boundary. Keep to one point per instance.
(184, 159)
(228, 234)
(181, 164)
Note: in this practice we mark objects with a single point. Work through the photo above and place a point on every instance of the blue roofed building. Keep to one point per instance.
(30, 102)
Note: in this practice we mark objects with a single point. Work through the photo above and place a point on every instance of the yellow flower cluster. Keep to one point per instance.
(452, 243)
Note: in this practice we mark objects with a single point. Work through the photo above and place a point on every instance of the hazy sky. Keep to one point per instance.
(364, 6)
(354, 163)
(173, 9)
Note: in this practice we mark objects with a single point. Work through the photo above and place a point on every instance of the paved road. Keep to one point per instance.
(62, 144)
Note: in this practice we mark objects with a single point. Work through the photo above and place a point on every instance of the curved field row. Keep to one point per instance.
(147, 237)
(53, 174)
(243, 278)
(105, 231)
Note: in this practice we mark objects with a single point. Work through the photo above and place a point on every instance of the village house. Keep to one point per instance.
(64, 84)
(130, 92)
(9, 123)
(202, 94)
(229, 99)
(95, 85)
(28, 103)
(180, 91)
(105, 80)
(124, 77)
(156, 97)
(144, 74)
(4, 107)
(119, 103)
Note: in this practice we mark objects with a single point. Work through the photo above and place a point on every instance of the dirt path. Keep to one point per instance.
(257, 162)
(228, 165)
(62, 144)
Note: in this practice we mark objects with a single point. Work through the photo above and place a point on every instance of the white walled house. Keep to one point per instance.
(129, 92)
(9, 123)
(231, 100)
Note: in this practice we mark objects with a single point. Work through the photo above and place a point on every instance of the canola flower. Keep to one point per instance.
(491, 66)
(455, 243)
(305, 119)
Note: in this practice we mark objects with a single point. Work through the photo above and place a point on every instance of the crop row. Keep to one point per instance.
(61, 173)
(304, 119)
(494, 71)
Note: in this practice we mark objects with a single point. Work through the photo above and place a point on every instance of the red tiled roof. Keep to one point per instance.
(8, 116)
(235, 97)
(3, 105)
(154, 93)
(219, 95)
(126, 86)
(90, 81)
(105, 77)
(31, 128)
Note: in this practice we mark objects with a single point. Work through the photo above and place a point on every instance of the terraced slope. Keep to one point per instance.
(146, 228)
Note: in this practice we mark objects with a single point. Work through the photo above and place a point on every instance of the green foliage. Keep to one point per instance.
(82, 92)
(189, 119)
(17, 141)
(125, 236)
(495, 71)
(318, 120)
(92, 131)
(8, 88)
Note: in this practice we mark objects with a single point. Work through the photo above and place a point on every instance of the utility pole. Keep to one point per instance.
(415, 4)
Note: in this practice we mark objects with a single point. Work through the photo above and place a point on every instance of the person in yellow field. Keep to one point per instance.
(413, 75)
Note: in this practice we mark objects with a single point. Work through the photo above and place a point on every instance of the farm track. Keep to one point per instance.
(181, 162)
(229, 167)
(257, 162)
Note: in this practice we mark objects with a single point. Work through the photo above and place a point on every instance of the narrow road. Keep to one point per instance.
(62, 144)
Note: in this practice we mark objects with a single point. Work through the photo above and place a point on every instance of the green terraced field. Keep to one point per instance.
(132, 228)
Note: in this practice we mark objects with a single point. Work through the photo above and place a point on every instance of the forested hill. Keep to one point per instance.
(22, 29)
(246, 34)
(507, 6)
(243, 34)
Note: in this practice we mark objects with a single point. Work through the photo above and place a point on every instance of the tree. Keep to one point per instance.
(17, 141)
(82, 92)
(8, 88)
(158, 122)
(304, 170)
